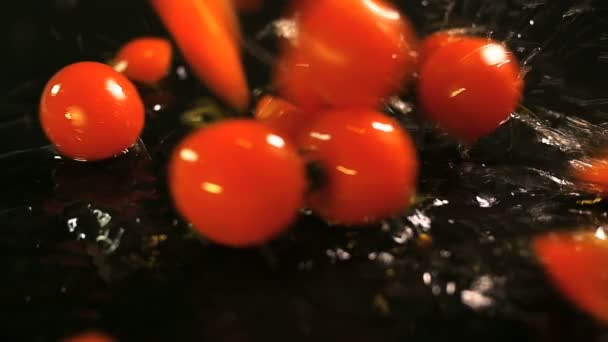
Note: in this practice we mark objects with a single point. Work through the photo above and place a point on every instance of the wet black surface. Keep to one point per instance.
(98, 246)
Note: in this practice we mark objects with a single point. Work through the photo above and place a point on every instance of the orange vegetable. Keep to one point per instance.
(436, 41)
(347, 54)
(238, 182)
(469, 87)
(576, 262)
(144, 60)
(207, 34)
(370, 166)
(89, 111)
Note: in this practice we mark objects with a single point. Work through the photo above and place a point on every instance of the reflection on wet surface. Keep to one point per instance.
(100, 246)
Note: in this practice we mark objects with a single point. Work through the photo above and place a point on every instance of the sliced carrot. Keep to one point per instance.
(206, 32)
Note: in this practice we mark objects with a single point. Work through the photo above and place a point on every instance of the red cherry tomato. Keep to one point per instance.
(89, 337)
(594, 173)
(436, 41)
(576, 262)
(469, 87)
(207, 34)
(282, 116)
(347, 54)
(91, 117)
(369, 163)
(238, 182)
(145, 60)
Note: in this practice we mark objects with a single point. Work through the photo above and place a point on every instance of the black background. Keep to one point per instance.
(296, 288)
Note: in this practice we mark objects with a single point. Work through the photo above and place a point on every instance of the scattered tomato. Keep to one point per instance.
(145, 60)
(91, 112)
(435, 41)
(576, 262)
(369, 163)
(347, 54)
(469, 87)
(238, 182)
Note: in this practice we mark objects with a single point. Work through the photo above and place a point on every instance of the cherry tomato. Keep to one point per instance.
(594, 173)
(369, 163)
(576, 262)
(238, 182)
(91, 117)
(436, 41)
(207, 34)
(469, 87)
(145, 60)
(89, 337)
(347, 54)
(282, 116)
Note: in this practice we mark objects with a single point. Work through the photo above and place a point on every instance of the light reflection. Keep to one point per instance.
(212, 188)
(475, 300)
(320, 136)
(381, 10)
(494, 54)
(121, 66)
(188, 155)
(426, 278)
(76, 116)
(458, 92)
(600, 233)
(450, 288)
(275, 140)
(383, 126)
(346, 170)
(55, 89)
(115, 89)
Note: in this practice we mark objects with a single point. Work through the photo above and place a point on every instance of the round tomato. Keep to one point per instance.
(368, 163)
(91, 112)
(469, 87)
(238, 182)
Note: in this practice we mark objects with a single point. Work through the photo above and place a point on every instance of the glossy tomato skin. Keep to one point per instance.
(369, 163)
(145, 59)
(469, 87)
(429, 45)
(282, 116)
(208, 35)
(91, 112)
(576, 262)
(237, 182)
(347, 54)
(592, 173)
